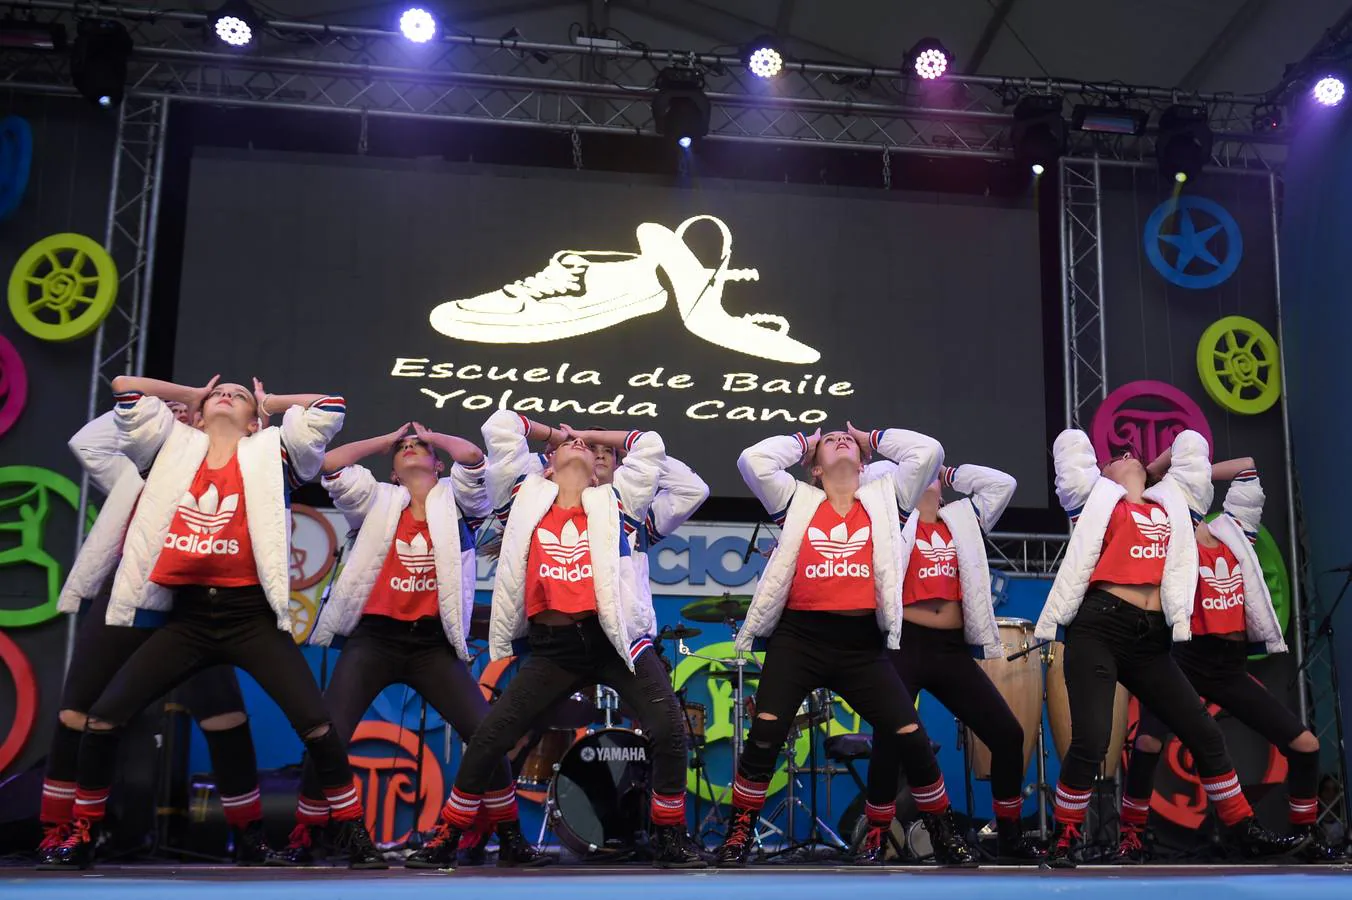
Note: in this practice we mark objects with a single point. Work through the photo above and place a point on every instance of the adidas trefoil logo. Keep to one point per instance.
(1227, 582)
(416, 557)
(836, 548)
(565, 548)
(943, 554)
(1154, 528)
(205, 516)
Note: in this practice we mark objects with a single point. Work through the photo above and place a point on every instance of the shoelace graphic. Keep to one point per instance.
(555, 278)
(741, 829)
(53, 836)
(1068, 836)
(873, 839)
(1131, 840)
(79, 834)
(299, 837)
(443, 834)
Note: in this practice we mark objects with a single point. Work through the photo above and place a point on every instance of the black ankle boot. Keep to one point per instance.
(251, 847)
(673, 849)
(1317, 849)
(440, 850)
(1134, 845)
(736, 846)
(950, 848)
(517, 852)
(870, 851)
(76, 851)
(1013, 845)
(1060, 853)
(352, 838)
(54, 834)
(1253, 841)
(299, 849)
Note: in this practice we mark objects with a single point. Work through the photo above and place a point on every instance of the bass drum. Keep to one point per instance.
(599, 797)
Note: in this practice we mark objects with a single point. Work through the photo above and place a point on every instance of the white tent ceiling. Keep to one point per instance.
(1196, 45)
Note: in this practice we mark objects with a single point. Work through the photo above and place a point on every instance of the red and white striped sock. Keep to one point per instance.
(1071, 804)
(312, 812)
(1009, 808)
(344, 803)
(58, 802)
(91, 804)
(243, 809)
(880, 816)
(668, 809)
(500, 805)
(461, 809)
(1304, 811)
(1135, 811)
(748, 794)
(1228, 797)
(931, 798)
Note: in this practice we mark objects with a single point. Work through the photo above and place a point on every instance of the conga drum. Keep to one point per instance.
(1058, 712)
(1020, 683)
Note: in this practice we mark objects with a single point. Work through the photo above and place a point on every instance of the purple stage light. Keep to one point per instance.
(418, 25)
(1329, 90)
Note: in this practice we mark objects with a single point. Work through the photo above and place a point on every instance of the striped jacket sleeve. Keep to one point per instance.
(918, 458)
(1190, 470)
(990, 490)
(470, 484)
(636, 479)
(1077, 470)
(145, 423)
(764, 467)
(679, 493)
(306, 433)
(98, 447)
(509, 459)
(353, 490)
(1244, 503)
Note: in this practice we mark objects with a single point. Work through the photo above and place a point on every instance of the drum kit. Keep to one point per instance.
(590, 764)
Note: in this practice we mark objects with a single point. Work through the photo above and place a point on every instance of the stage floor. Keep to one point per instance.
(761, 883)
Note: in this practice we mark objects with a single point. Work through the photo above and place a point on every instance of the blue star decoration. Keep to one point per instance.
(1193, 246)
(1191, 243)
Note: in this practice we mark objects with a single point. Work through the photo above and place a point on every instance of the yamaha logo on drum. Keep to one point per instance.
(614, 754)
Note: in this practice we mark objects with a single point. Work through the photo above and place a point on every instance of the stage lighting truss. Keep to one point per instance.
(1039, 133)
(380, 73)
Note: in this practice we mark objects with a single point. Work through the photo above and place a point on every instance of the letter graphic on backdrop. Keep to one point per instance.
(1145, 416)
(13, 385)
(582, 291)
(25, 504)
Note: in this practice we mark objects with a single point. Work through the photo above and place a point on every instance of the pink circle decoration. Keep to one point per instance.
(13, 385)
(1145, 416)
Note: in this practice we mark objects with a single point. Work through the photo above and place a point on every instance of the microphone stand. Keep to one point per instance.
(1015, 657)
(323, 601)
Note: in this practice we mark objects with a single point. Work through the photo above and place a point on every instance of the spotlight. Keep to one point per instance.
(680, 107)
(928, 59)
(98, 61)
(1039, 133)
(418, 25)
(1329, 90)
(235, 23)
(763, 58)
(1184, 143)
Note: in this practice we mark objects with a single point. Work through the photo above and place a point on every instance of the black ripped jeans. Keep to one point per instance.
(563, 659)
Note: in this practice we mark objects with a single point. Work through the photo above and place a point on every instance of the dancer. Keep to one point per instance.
(949, 615)
(830, 603)
(565, 583)
(402, 602)
(1123, 594)
(209, 544)
(1231, 612)
(212, 696)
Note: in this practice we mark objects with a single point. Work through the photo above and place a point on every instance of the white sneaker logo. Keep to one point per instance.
(1154, 528)
(1226, 582)
(416, 557)
(836, 548)
(205, 516)
(582, 291)
(942, 554)
(565, 548)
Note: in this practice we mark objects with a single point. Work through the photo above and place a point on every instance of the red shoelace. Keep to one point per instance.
(54, 835)
(79, 834)
(299, 837)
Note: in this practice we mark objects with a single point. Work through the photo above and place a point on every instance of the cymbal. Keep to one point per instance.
(679, 633)
(750, 670)
(478, 621)
(717, 609)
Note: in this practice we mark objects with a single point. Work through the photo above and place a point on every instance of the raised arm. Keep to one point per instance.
(353, 489)
(918, 458)
(506, 439)
(191, 397)
(98, 447)
(990, 490)
(1190, 470)
(306, 433)
(764, 467)
(460, 450)
(468, 470)
(1231, 469)
(356, 451)
(1077, 470)
(679, 493)
(1244, 498)
(636, 478)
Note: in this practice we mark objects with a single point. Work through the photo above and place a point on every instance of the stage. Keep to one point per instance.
(767, 881)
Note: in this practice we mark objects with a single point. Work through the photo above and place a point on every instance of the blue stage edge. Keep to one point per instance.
(1213, 883)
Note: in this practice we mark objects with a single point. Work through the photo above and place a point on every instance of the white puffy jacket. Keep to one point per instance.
(98, 447)
(454, 507)
(1184, 492)
(521, 498)
(792, 504)
(1237, 528)
(271, 461)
